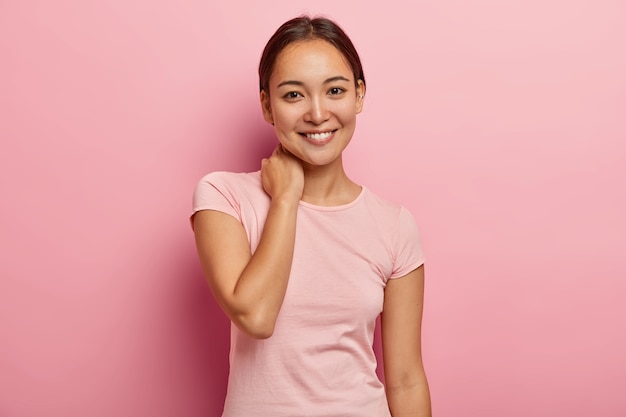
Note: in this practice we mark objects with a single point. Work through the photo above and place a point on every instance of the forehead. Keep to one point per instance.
(310, 60)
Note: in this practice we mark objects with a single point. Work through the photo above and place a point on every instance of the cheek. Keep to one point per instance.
(347, 114)
(286, 114)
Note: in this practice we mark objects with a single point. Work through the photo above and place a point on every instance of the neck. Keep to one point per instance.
(328, 185)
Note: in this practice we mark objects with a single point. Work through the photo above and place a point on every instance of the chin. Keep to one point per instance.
(320, 162)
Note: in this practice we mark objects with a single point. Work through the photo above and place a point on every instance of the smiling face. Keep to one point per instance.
(313, 100)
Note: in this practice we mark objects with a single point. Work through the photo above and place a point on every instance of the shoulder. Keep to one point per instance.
(395, 219)
(226, 179)
(232, 185)
(399, 231)
(227, 191)
(383, 208)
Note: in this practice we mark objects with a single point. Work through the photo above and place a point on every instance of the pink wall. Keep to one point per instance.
(500, 124)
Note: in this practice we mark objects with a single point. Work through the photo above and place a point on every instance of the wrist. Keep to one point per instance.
(285, 201)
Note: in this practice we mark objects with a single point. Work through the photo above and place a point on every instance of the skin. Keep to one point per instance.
(311, 91)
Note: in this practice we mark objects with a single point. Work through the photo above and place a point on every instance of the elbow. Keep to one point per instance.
(256, 326)
(256, 320)
(260, 332)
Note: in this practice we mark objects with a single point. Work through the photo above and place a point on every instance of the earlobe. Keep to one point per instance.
(266, 107)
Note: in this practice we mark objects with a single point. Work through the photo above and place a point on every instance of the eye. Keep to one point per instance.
(292, 95)
(335, 91)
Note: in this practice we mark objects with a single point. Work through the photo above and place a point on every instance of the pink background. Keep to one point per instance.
(500, 124)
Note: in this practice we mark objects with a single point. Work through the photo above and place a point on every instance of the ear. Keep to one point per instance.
(266, 107)
(360, 95)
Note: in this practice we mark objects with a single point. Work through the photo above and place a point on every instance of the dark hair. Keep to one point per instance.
(306, 28)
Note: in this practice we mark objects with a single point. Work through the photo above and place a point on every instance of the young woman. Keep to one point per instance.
(303, 260)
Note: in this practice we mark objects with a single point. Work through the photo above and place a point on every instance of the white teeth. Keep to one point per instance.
(318, 136)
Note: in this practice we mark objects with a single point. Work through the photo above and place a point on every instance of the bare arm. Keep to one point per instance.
(250, 287)
(406, 383)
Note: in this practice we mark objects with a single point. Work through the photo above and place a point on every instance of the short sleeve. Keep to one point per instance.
(408, 251)
(214, 193)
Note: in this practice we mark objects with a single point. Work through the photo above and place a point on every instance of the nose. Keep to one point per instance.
(317, 112)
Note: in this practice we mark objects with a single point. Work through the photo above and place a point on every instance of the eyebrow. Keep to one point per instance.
(327, 81)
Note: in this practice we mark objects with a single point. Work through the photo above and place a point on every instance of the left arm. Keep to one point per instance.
(401, 320)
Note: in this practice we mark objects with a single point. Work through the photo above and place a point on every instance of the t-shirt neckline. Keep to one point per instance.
(341, 207)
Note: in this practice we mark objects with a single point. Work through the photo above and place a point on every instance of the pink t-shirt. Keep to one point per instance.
(319, 361)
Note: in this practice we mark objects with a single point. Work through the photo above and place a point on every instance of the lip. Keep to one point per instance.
(309, 136)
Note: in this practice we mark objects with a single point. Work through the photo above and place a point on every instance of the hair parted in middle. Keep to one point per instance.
(305, 28)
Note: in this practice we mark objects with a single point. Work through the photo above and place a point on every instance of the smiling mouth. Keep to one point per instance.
(319, 136)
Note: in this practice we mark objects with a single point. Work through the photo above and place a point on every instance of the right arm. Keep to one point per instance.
(250, 288)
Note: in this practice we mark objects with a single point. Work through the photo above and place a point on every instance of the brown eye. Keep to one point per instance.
(335, 91)
(292, 95)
